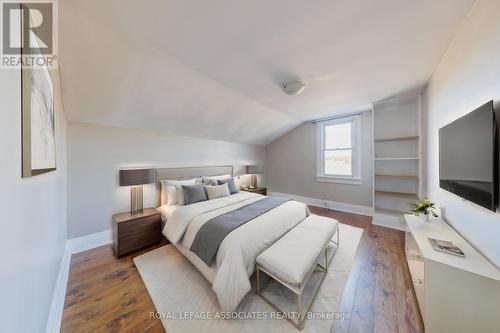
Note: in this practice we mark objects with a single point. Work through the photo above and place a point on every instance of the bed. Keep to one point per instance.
(235, 260)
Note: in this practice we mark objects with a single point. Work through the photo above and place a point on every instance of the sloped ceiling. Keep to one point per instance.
(214, 69)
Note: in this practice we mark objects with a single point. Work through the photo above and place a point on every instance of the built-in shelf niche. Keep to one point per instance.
(396, 177)
(400, 195)
(401, 138)
(397, 167)
(396, 158)
(397, 155)
(398, 185)
(396, 149)
(393, 203)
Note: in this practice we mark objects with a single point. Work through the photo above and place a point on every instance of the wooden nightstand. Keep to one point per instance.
(259, 190)
(132, 232)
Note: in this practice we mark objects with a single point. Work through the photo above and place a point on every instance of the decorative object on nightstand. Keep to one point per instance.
(136, 178)
(259, 190)
(424, 206)
(253, 171)
(134, 231)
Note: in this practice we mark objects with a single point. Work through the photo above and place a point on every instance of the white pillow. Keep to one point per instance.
(212, 180)
(171, 191)
(219, 191)
(164, 190)
(171, 195)
(180, 195)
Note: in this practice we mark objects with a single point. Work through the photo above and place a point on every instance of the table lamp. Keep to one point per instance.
(254, 170)
(136, 178)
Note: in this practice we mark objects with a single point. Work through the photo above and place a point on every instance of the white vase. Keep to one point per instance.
(426, 217)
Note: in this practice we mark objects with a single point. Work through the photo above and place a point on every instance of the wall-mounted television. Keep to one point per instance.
(468, 158)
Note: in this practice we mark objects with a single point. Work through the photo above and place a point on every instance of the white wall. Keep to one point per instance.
(33, 220)
(96, 153)
(291, 167)
(467, 76)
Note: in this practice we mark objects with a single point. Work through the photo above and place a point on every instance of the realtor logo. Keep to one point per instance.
(28, 33)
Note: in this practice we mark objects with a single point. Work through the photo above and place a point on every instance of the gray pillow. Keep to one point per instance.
(230, 184)
(219, 191)
(194, 193)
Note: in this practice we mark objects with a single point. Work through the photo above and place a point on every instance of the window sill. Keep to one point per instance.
(339, 180)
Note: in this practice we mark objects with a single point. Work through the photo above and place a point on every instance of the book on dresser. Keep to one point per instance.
(446, 247)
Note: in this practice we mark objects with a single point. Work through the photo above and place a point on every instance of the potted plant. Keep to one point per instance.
(424, 206)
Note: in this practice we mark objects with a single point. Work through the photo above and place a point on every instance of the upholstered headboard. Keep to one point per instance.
(187, 173)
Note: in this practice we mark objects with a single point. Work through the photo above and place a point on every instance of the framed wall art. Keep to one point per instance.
(38, 123)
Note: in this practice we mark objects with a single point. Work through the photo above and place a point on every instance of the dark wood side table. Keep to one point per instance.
(259, 190)
(134, 231)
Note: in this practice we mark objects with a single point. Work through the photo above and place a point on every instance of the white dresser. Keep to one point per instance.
(454, 294)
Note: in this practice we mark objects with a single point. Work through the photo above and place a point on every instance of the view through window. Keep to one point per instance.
(337, 151)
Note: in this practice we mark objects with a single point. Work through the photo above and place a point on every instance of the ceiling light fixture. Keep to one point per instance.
(294, 88)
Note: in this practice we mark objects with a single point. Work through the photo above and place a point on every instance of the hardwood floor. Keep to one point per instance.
(106, 294)
(379, 293)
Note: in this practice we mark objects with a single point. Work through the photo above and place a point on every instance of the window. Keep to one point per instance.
(339, 151)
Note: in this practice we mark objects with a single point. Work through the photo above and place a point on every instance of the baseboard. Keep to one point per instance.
(57, 305)
(336, 205)
(84, 243)
(73, 246)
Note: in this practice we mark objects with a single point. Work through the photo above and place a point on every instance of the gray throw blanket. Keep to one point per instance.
(210, 236)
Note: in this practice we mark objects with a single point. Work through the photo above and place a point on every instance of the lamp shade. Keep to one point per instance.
(131, 177)
(255, 169)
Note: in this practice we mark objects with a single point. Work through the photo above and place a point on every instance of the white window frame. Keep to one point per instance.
(355, 179)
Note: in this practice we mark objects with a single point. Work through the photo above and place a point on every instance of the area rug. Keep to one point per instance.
(185, 302)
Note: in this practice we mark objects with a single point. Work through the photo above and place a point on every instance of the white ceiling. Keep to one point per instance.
(215, 68)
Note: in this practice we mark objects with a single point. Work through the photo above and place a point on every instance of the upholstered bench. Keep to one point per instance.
(292, 260)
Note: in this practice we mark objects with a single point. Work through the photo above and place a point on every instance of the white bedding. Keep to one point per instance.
(235, 260)
(167, 210)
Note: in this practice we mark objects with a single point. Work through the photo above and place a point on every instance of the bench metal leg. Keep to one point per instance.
(258, 280)
(327, 261)
(326, 258)
(338, 236)
(300, 324)
(337, 243)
